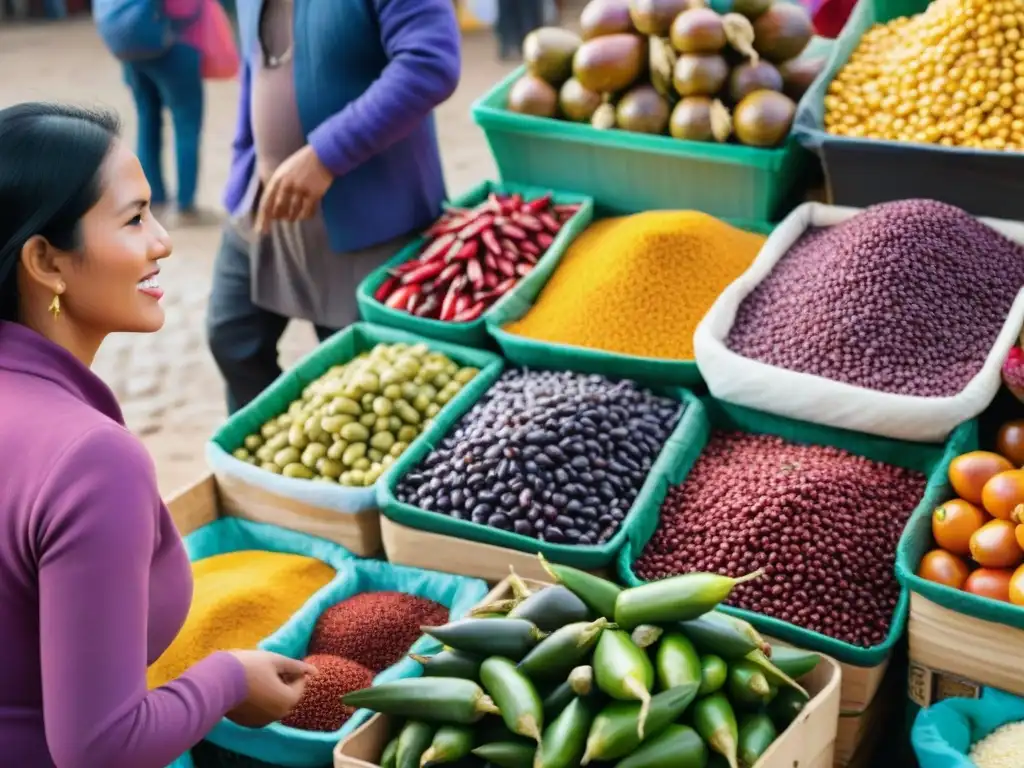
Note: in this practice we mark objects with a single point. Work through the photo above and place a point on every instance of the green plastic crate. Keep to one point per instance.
(711, 414)
(630, 172)
(590, 558)
(473, 334)
(534, 353)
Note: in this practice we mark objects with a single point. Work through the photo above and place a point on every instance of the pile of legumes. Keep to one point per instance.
(556, 456)
(472, 257)
(905, 297)
(320, 708)
(375, 628)
(240, 598)
(821, 522)
(639, 285)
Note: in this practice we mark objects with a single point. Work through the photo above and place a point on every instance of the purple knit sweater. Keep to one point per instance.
(94, 580)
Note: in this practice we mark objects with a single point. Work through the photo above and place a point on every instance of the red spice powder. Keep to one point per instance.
(320, 708)
(375, 628)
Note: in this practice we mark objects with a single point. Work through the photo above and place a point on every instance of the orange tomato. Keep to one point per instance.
(1019, 533)
(1017, 586)
(969, 473)
(942, 567)
(1003, 493)
(994, 545)
(954, 522)
(993, 583)
(1010, 441)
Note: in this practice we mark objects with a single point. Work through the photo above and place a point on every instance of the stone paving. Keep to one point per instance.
(167, 382)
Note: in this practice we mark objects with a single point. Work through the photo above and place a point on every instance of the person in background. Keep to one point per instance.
(516, 19)
(94, 579)
(336, 166)
(172, 81)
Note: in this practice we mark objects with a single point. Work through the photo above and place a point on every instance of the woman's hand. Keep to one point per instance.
(275, 685)
(294, 190)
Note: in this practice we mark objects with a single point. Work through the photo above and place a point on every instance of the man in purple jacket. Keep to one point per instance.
(336, 166)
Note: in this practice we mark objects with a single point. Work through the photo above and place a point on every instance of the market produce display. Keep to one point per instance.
(623, 684)
(639, 285)
(822, 523)
(471, 257)
(905, 297)
(351, 423)
(979, 535)
(239, 599)
(555, 456)
(673, 67)
(953, 76)
(375, 629)
(1003, 748)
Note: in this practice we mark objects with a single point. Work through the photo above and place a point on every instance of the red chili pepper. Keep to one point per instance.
(528, 222)
(424, 273)
(449, 273)
(437, 248)
(465, 252)
(428, 308)
(471, 313)
(512, 231)
(448, 225)
(509, 245)
(506, 267)
(504, 287)
(448, 305)
(461, 304)
(453, 250)
(544, 240)
(474, 228)
(538, 204)
(385, 288)
(406, 266)
(548, 221)
(528, 247)
(508, 205)
(475, 274)
(400, 298)
(491, 279)
(523, 269)
(570, 209)
(490, 241)
(414, 301)
(530, 258)
(490, 261)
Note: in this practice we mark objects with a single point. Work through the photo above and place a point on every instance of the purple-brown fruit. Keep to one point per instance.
(530, 95)
(605, 17)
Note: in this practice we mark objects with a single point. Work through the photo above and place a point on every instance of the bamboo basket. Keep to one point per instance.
(809, 742)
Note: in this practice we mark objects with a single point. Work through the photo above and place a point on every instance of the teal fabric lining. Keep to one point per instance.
(339, 349)
(536, 353)
(474, 334)
(710, 414)
(943, 733)
(579, 556)
(290, 747)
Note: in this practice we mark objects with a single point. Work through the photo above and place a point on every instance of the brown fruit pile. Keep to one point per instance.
(821, 522)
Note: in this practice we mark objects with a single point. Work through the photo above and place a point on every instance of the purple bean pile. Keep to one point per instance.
(906, 297)
(823, 523)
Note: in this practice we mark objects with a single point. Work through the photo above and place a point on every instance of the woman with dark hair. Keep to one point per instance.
(94, 580)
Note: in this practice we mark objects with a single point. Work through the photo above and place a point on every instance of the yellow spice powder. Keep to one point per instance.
(239, 599)
(639, 285)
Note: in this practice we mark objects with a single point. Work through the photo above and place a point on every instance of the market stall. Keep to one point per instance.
(669, 409)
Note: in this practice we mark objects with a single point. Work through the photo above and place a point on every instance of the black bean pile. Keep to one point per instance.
(822, 522)
(906, 297)
(556, 456)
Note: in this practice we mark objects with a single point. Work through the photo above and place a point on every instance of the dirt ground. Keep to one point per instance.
(167, 382)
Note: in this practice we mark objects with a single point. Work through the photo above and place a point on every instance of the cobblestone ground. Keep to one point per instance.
(167, 382)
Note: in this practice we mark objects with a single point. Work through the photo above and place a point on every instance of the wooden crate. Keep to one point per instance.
(195, 505)
(809, 742)
(955, 650)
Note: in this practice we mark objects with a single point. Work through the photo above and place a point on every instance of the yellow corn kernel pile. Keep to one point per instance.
(952, 75)
(239, 599)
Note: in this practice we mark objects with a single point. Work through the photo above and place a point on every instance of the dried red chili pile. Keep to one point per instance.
(471, 257)
(320, 708)
(822, 522)
(375, 629)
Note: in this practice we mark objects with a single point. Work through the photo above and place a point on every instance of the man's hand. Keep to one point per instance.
(294, 191)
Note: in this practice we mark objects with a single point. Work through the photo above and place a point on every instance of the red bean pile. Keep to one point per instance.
(822, 522)
(906, 297)
(375, 629)
(320, 708)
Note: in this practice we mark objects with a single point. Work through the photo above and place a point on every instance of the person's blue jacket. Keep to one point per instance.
(368, 75)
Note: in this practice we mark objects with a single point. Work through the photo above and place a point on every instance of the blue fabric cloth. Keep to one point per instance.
(368, 75)
(943, 733)
(174, 82)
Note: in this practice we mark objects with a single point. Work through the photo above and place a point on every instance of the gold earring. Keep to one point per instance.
(55, 306)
